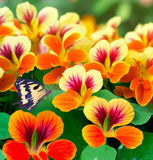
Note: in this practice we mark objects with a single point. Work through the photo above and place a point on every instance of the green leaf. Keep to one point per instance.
(4, 119)
(103, 152)
(74, 121)
(142, 152)
(2, 156)
(142, 114)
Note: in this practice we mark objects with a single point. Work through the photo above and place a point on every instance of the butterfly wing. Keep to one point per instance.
(30, 92)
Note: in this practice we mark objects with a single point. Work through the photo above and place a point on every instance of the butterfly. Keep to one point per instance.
(30, 92)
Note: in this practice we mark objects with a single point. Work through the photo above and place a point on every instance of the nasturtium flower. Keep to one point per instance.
(30, 134)
(62, 52)
(108, 58)
(108, 32)
(34, 25)
(140, 76)
(15, 59)
(141, 38)
(107, 118)
(79, 85)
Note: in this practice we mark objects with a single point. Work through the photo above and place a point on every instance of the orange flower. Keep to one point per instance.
(141, 38)
(79, 85)
(15, 58)
(62, 52)
(30, 133)
(108, 59)
(106, 116)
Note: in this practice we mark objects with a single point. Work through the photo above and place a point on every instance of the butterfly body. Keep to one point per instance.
(30, 92)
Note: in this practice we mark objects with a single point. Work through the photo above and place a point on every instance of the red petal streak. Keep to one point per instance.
(100, 56)
(93, 135)
(15, 151)
(49, 127)
(62, 150)
(28, 16)
(114, 54)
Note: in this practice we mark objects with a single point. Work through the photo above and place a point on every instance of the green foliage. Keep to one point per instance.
(103, 152)
(2, 156)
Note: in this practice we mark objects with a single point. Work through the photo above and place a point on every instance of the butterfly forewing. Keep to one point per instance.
(30, 92)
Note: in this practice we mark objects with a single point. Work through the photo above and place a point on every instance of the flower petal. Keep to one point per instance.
(93, 135)
(73, 78)
(53, 42)
(54, 75)
(41, 154)
(99, 52)
(7, 81)
(26, 12)
(20, 45)
(121, 112)
(67, 101)
(77, 55)
(94, 80)
(5, 63)
(27, 63)
(49, 126)
(62, 150)
(21, 126)
(119, 70)
(44, 61)
(129, 136)
(5, 30)
(96, 110)
(15, 151)
(118, 51)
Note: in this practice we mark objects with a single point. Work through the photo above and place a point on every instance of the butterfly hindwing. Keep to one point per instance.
(30, 92)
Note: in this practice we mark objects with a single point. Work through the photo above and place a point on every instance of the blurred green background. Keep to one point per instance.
(131, 11)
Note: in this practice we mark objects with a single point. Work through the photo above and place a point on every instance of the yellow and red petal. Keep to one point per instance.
(129, 136)
(20, 45)
(53, 42)
(44, 61)
(99, 52)
(118, 51)
(7, 81)
(121, 113)
(144, 92)
(49, 127)
(26, 12)
(118, 71)
(73, 78)
(61, 150)
(93, 135)
(77, 55)
(27, 63)
(67, 101)
(5, 30)
(21, 126)
(94, 80)
(54, 75)
(96, 110)
(15, 151)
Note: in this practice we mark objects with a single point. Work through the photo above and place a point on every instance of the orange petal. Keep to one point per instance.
(119, 70)
(93, 135)
(136, 45)
(67, 101)
(77, 55)
(7, 81)
(28, 63)
(53, 42)
(17, 23)
(5, 63)
(44, 61)
(71, 39)
(21, 126)
(43, 155)
(50, 126)
(15, 151)
(62, 150)
(129, 136)
(5, 30)
(144, 93)
(54, 75)
(87, 95)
